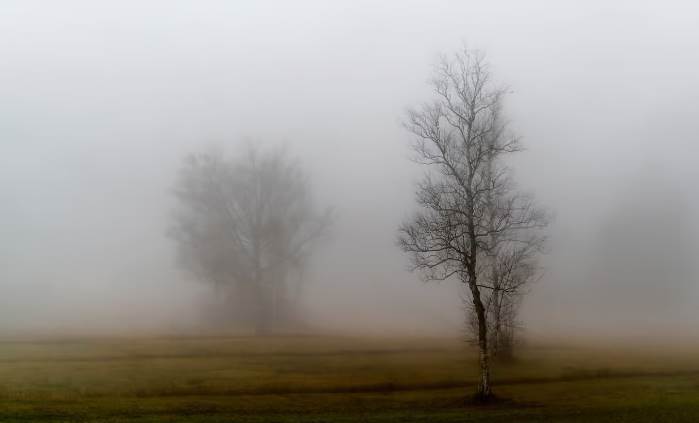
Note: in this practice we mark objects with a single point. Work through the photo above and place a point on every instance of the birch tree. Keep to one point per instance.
(472, 224)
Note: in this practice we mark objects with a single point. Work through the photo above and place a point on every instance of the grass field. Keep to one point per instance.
(343, 379)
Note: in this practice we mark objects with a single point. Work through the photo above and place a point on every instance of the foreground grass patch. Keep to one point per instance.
(333, 379)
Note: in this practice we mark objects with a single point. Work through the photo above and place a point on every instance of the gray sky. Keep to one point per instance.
(100, 100)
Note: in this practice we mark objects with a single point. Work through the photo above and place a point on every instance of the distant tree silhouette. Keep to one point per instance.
(247, 225)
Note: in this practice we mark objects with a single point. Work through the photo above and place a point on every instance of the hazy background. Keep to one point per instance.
(100, 100)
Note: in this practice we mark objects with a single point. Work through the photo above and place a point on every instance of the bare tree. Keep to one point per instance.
(246, 225)
(472, 223)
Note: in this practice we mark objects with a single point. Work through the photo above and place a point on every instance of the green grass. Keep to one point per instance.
(342, 379)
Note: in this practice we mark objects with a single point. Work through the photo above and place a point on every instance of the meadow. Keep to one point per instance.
(336, 379)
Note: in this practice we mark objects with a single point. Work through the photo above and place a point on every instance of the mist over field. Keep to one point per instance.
(100, 102)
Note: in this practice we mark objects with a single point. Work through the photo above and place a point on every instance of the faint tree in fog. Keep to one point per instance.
(472, 223)
(247, 225)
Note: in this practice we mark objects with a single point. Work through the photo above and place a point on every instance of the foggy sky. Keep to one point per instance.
(100, 101)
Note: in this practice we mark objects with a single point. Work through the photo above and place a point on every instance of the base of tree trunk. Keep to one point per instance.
(481, 398)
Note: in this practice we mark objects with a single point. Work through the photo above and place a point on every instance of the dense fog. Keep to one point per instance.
(101, 101)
